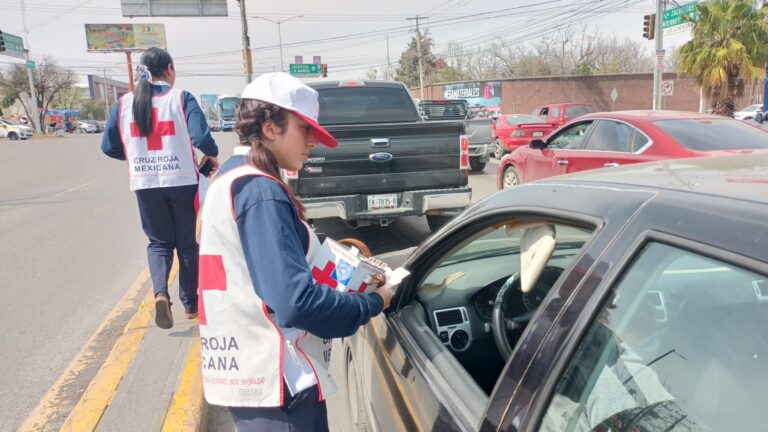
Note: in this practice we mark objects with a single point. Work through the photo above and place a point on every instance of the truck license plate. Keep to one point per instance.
(538, 134)
(376, 202)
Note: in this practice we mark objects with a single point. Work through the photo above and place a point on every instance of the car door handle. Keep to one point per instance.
(562, 162)
(379, 142)
(611, 164)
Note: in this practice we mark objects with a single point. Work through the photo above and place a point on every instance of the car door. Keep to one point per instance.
(609, 145)
(555, 158)
(661, 334)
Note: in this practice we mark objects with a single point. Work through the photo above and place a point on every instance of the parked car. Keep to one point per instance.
(627, 299)
(213, 125)
(619, 138)
(88, 126)
(511, 131)
(751, 112)
(477, 127)
(14, 131)
(389, 161)
(561, 113)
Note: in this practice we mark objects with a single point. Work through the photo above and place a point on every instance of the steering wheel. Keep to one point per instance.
(502, 325)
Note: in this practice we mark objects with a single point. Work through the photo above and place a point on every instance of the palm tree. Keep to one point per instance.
(729, 48)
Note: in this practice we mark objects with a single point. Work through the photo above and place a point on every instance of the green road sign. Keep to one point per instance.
(305, 70)
(31, 65)
(14, 45)
(680, 15)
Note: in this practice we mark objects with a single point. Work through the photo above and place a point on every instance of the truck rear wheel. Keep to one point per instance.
(436, 221)
(476, 165)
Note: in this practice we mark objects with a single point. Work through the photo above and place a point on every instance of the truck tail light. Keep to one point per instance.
(289, 175)
(464, 152)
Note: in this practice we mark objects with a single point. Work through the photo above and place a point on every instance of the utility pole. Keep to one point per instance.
(418, 49)
(386, 75)
(104, 92)
(246, 44)
(659, 69)
(35, 115)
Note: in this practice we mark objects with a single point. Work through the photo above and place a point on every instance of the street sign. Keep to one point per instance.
(31, 65)
(174, 8)
(614, 95)
(13, 45)
(316, 60)
(667, 88)
(298, 59)
(680, 16)
(308, 70)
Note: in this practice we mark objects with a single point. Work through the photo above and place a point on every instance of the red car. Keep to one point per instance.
(511, 131)
(559, 114)
(619, 138)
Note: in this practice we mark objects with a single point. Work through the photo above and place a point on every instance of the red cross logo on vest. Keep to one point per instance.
(159, 130)
(212, 277)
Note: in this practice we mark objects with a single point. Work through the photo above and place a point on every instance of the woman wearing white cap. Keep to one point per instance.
(265, 326)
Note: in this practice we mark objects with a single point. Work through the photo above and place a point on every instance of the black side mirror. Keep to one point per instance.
(538, 144)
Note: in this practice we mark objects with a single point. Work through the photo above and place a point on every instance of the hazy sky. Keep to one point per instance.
(207, 50)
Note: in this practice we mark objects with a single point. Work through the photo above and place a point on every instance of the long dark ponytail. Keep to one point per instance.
(156, 61)
(250, 116)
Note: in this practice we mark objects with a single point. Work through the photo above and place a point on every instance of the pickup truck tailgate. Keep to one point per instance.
(385, 157)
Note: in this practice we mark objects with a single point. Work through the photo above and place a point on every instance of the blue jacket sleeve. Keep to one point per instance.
(198, 126)
(111, 143)
(282, 279)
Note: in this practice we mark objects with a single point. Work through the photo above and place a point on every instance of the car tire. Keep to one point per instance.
(437, 221)
(511, 178)
(476, 165)
(357, 420)
(13, 136)
(499, 152)
(759, 118)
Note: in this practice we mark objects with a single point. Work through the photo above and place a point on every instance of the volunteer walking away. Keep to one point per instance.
(152, 129)
(265, 326)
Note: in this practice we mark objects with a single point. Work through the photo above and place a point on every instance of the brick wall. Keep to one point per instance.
(522, 95)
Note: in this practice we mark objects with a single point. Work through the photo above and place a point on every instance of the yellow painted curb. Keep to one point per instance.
(87, 413)
(50, 406)
(187, 409)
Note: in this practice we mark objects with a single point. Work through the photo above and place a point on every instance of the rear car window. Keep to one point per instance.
(444, 110)
(522, 119)
(345, 105)
(714, 134)
(574, 111)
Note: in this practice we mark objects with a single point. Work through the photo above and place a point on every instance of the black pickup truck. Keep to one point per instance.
(389, 162)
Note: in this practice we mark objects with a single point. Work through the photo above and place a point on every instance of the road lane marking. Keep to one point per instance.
(97, 396)
(71, 190)
(185, 412)
(49, 408)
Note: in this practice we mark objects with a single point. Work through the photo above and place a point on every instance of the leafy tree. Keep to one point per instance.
(50, 80)
(408, 69)
(92, 109)
(729, 47)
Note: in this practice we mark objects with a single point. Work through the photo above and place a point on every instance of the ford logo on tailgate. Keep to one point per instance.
(380, 157)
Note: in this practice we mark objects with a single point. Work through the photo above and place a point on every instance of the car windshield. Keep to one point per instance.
(714, 134)
(345, 105)
(751, 107)
(9, 123)
(523, 119)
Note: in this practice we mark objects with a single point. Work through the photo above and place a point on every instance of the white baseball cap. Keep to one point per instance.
(288, 92)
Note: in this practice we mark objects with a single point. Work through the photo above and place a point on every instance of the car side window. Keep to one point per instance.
(677, 346)
(612, 136)
(572, 137)
(639, 141)
(554, 112)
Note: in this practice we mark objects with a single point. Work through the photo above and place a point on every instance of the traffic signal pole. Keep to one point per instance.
(658, 69)
(36, 118)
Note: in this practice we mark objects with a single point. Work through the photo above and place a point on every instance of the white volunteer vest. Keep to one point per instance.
(243, 350)
(166, 157)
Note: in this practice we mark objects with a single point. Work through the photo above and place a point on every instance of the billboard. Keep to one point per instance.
(482, 93)
(174, 8)
(124, 37)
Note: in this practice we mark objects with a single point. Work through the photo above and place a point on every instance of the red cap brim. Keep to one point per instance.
(322, 135)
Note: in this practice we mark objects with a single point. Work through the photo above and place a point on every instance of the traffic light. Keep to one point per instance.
(2, 42)
(649, 26)
(325, 70)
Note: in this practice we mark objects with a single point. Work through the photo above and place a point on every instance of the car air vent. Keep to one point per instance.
(449, 317)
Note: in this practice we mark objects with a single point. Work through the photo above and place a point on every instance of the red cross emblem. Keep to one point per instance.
(159, 130)
(211, 277)
(325, 276)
